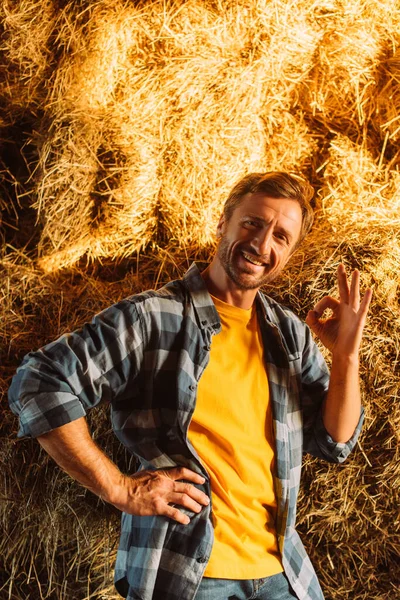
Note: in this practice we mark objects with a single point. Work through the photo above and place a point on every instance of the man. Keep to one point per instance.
(218, 390)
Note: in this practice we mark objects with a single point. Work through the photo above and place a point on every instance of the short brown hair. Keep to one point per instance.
(275, 184)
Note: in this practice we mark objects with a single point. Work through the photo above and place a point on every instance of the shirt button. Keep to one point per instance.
(204, 322)
(208, 348)
(192, 388)
(202, 559)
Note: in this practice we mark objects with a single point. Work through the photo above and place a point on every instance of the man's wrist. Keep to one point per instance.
(109, 484)
(345, 360)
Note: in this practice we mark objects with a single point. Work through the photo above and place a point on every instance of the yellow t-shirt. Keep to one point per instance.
(231, 430)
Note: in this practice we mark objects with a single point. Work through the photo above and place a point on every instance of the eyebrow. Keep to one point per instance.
(255, 217)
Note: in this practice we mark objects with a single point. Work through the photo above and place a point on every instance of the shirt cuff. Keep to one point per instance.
(46, 412)
(336, 451)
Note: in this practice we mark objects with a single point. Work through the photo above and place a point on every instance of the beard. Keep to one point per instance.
(244, 280)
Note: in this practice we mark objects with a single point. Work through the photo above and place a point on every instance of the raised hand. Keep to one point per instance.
(154, 493)
(341, 333)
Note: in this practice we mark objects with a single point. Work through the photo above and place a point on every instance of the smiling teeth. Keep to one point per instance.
(255, 262)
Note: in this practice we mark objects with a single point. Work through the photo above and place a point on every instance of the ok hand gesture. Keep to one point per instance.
(341, 333)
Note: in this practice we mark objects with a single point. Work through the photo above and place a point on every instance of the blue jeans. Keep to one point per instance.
(275, 587)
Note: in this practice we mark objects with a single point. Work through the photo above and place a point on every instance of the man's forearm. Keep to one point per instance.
(341, 411)
(145, 493)
(74, 450)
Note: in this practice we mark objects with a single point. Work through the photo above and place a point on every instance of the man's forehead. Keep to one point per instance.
(255, 205)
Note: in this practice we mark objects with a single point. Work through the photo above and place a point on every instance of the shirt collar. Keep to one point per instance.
(203, 304)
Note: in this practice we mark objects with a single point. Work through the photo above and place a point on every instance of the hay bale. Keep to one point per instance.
(151, 113)
(361, 201)
(388, 97)
(27, 54)
(342, 87)
(98, 170)
(229, 88)
(152, 87)
(26, 63)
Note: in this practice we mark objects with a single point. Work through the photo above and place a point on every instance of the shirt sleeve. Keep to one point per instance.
(60, 382)
(315, 382)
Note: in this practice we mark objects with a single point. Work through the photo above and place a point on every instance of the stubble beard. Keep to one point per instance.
(239, 277)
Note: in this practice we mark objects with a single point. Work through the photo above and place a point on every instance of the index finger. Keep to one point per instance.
(324, 303)
(177, 473)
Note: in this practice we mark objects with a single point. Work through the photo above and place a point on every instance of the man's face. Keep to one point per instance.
(257, 241)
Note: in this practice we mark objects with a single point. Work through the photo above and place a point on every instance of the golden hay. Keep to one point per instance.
(361, 201)
(342, 87)
(144, 115)
(158, 83)
(113, 212)
(229, 97)
(387, 111)
(26, 47)
(176, 102)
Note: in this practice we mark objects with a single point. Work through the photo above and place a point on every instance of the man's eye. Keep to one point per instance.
(282, 237)
(251, 223)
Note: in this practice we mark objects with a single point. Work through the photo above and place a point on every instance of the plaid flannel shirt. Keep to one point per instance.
(145, 355)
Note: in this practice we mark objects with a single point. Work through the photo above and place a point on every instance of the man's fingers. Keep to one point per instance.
(344, 291)
(196, 494)
(354, 298)
(312, 319)
(183, 473)
(364, 306)
(175, 514)
(158, 492)
(324, 303)
(186, 501)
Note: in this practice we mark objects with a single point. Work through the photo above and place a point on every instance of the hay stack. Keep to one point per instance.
(103, 154)
(388, 98)
(143, 101)
(229, 91)
(26, 58)
(141, 117)
(27, 54)
(342, 88)
(361, 202)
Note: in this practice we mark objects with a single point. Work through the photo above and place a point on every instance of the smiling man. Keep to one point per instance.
(256, 241)
(218, 391)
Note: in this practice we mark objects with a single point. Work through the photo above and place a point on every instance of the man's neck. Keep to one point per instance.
(221, 286)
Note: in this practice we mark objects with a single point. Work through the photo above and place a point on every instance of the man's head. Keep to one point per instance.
(265, 218)
(275, 184)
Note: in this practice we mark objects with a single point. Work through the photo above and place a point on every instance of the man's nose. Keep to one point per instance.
(263, 241)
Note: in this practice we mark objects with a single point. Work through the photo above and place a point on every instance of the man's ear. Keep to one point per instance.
(220, 226)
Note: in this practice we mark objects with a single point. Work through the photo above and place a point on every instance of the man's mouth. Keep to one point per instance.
(253, 260)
